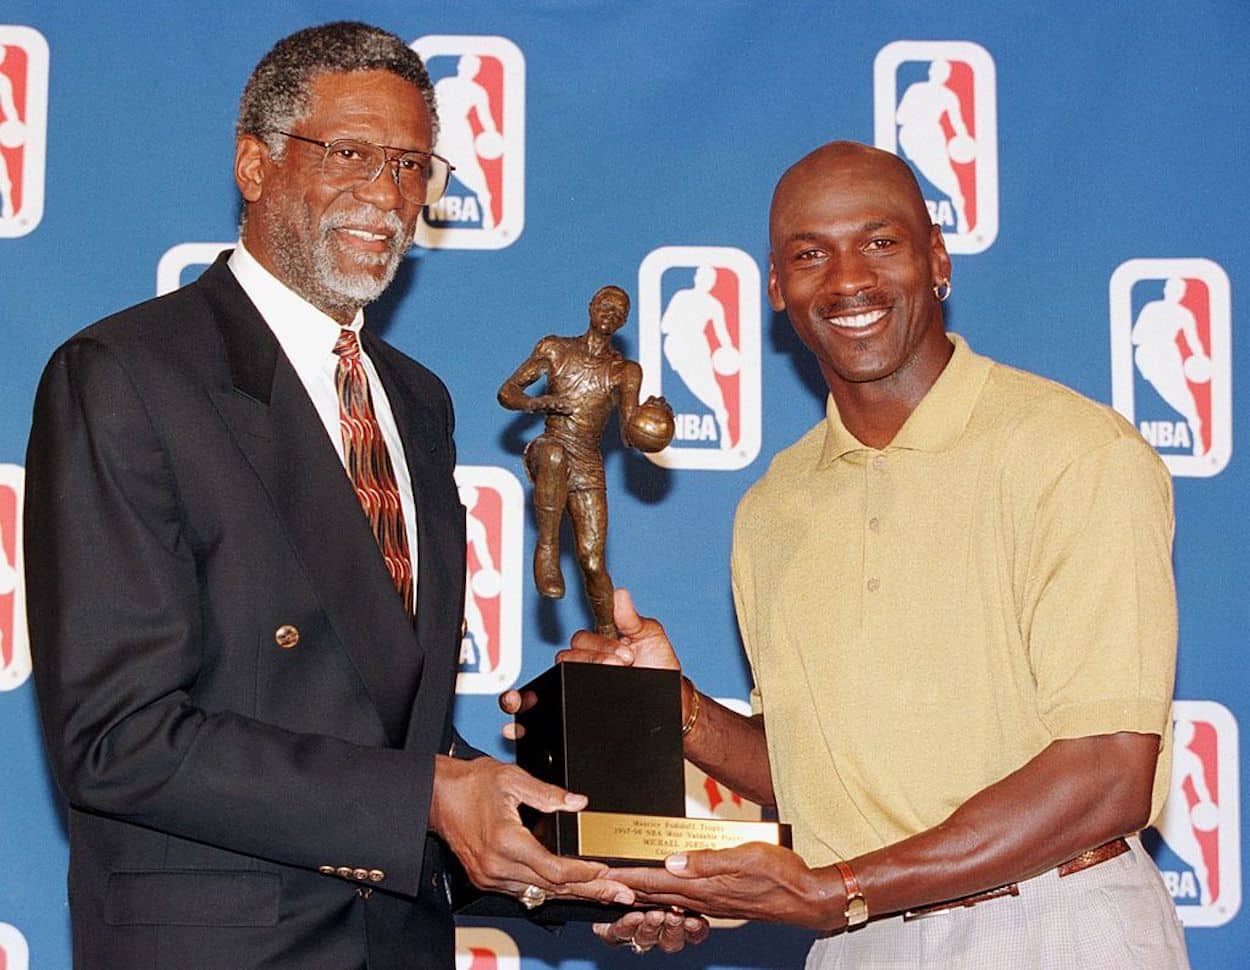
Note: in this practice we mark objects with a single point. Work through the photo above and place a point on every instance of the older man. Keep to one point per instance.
(956, 597)
(246, 573)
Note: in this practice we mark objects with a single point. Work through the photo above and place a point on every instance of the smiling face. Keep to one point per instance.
(337, 248)
(854, 261)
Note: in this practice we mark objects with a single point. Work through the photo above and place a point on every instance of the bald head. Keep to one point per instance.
(842, 167)
(858, 265)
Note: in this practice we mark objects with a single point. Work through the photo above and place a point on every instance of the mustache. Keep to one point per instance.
(364, 216)
(853, 304)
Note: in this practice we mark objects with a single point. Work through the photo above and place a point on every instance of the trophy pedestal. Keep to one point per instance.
(612, 734)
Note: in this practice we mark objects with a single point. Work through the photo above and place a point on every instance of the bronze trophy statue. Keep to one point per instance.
(587, 378)
(610, 733)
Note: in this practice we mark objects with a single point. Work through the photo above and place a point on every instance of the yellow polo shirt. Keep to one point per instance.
(923, 619)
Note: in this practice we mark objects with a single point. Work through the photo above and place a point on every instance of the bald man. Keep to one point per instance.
(961, 624)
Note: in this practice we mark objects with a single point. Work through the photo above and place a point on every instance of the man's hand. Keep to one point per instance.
(642, 643)
(753, 881)
(475, 811)
(667, 929)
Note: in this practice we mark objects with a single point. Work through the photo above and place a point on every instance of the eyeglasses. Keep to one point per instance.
(421, 177)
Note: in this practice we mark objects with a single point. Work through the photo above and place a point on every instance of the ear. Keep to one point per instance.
(251, 165)
(775, 299)
(939, 260)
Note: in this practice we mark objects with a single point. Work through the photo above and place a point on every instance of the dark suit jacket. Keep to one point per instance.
(183, 504)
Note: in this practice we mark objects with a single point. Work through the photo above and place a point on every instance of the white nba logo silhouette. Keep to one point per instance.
(481, 581)
(490, 643)
(933, 129)
(459, 97)
(705, 334)
(14, 642)
(1171, 369)
(686, 348)
(921, 111)
(1159, 360)
(1200, 819)
(1180, 820)
(481, 110)
(23, 128)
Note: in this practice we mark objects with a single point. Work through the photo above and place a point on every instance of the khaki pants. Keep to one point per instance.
(1114, 915)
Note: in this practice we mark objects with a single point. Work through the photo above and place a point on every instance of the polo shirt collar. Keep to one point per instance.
(938, 420)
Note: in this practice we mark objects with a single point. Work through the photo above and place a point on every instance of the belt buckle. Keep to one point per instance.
(963, 902)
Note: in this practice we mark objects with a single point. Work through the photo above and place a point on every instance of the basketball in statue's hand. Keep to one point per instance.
(651, 426)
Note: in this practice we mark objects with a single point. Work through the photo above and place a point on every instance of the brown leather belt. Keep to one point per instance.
(1088, 858)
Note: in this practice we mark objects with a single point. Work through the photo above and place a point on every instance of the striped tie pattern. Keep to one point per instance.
(369, 464)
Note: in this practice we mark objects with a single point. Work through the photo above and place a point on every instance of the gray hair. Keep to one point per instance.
(278, 93)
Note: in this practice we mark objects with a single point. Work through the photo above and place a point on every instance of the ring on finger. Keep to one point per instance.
(533, 896)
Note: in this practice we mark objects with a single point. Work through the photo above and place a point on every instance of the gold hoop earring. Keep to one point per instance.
(942, 290)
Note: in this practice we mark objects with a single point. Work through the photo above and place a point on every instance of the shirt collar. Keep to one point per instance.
(938, 420)
(306, 334)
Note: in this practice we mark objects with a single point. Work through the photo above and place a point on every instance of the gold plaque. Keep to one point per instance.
(652, 838)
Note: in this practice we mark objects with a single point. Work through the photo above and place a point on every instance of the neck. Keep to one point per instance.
(597, 342)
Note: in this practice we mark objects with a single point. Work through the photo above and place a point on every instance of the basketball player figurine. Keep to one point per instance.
(586, 379)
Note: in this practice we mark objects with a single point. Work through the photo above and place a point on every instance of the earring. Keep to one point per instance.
(942, 290)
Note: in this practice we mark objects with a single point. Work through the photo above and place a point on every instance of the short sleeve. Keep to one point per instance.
(1099, 612)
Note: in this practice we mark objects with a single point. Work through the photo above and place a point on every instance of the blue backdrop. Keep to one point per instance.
(1087, 161)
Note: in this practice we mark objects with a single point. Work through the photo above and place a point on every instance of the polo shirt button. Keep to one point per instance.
(874, 585)
(875, 524)
(879, 462)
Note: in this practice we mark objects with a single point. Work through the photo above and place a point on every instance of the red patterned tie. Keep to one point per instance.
(369, 464)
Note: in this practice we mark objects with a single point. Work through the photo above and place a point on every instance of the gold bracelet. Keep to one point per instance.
(694, 707)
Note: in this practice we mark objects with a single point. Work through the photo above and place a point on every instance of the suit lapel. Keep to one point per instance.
(277, 429)
(440, 543)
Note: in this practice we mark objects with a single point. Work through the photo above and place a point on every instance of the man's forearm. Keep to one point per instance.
(1075, 795)
(730, 747)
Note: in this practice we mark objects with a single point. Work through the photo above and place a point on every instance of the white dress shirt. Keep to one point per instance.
(307, 337)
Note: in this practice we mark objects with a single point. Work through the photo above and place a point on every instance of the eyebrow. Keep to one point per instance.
(871, 226)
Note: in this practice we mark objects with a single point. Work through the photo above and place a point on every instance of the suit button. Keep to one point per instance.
(286, 636)
(326, 870)
(360, 873)
(344, 871)
(376, 875)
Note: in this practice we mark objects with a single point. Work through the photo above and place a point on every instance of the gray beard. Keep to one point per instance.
(317, 278)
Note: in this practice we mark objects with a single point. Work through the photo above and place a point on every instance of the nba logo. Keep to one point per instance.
(699, 346)
(14, 645)
(14, 953)
(479, 85)
(171, 271)
(1171, 370)
(935, 107)
(1196, 842)
(481, 948)
(23, 128)
(708, 798)
(490, 645)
